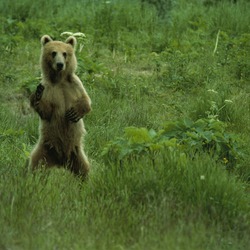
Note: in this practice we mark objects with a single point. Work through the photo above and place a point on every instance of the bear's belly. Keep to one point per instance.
(63, 136)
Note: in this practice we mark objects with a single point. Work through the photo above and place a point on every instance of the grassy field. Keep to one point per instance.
(168, 138)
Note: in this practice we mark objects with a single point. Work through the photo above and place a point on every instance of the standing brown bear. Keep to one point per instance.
(61, 101)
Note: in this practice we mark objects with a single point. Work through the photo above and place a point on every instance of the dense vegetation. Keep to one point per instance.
(168, 137)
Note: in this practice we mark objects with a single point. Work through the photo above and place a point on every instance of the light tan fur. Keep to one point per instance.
(61, 101)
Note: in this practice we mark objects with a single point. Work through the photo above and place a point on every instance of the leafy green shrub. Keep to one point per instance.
(185, 137)
(10, 37)
(233, 54)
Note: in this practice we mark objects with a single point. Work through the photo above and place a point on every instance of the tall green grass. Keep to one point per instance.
(131, 207)
(141, 69)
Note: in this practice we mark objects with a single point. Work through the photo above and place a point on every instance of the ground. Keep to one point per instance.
(141, 70)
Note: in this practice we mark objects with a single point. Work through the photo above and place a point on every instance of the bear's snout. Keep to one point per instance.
(59, 66)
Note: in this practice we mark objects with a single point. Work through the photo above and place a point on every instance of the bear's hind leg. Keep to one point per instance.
(43, 155)
(37, 157)
(79, 164)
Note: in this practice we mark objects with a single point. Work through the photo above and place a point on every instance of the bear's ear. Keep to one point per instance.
(71, 40)
(45, 39)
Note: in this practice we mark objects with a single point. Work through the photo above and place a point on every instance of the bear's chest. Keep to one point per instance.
(61, 97)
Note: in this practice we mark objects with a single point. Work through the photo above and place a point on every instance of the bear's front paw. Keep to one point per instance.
(72, 115)
(39, 92)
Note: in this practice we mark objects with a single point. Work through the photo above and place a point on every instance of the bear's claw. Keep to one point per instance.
(39, 91)
(72, 115)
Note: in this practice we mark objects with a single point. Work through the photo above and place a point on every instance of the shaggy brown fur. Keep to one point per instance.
(61, 101)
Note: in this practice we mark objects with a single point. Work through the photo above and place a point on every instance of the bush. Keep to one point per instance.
(186, 137)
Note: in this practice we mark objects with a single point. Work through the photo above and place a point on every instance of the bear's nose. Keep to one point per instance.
(59, 66)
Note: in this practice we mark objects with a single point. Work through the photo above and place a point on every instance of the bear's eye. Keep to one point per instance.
(64, 54)
(53, 54)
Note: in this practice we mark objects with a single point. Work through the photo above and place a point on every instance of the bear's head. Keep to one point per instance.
(58, 58)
